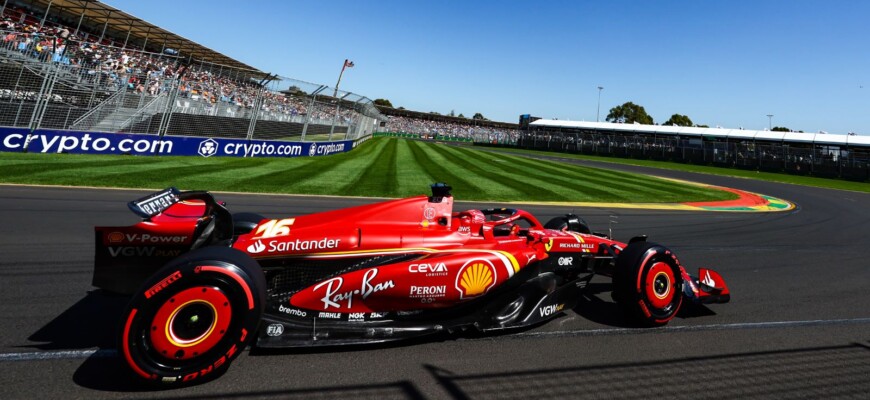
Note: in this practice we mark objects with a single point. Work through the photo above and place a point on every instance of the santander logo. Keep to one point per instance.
(256, 247)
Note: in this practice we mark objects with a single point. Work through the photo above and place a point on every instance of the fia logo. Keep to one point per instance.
(207, 148)
(274, 329)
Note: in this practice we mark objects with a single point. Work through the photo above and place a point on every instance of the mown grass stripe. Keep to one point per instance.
(617, 183)
(564, 182)
(410, 175)
(31, 167)
(497, 172)
(379, 175)
(607, 186)
(496, 189)
(378, 167)
(338, 171)
(439, 171)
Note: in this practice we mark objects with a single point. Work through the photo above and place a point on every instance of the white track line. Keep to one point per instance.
(57, 355)
(692, 328)
(104, 353)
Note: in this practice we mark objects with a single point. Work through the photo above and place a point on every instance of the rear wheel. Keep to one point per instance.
(193, 317)
(648, 283)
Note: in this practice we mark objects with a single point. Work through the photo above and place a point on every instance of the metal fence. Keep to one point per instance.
(47, 83)
(822, 160)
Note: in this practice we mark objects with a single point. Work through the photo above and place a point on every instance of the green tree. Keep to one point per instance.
(383, 103)
(702, 126)
(479, 117)
(780, 129)
(629, 113)
(460, 115)
(452, 113)
(679, 120)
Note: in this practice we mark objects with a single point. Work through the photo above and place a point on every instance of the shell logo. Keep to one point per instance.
(475, 278)
(116, 237)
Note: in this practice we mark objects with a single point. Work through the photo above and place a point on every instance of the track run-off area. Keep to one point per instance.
(798, 324)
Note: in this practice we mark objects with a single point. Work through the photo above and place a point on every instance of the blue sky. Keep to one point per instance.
(726, 63)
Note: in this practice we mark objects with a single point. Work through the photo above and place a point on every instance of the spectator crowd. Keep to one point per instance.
(108, 65)
(472, 129)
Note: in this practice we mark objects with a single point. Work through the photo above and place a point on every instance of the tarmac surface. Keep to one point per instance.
(798, 325)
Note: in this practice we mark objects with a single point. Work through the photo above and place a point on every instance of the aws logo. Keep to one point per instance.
(475, 278)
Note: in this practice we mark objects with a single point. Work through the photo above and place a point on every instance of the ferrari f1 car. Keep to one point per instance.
(205, 283)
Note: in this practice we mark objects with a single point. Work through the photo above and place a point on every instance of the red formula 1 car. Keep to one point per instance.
(206, 283)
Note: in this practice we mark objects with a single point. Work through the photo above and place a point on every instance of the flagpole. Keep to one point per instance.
(335, 96)
(343, 66)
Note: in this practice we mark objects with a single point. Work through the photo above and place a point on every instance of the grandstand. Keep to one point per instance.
(818, 154)
(85, 66)
(436, 126)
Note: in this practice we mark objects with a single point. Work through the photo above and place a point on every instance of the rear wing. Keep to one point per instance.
(154, 203)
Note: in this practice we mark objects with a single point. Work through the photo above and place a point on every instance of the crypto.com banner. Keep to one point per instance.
(47, 141)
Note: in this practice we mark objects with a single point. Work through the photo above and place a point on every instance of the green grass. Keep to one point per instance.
(381, 167)
(711, 170)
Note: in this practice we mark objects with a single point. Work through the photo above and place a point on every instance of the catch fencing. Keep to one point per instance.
(47, 83)
(817, 159)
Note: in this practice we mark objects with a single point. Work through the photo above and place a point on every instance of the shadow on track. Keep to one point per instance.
(821, 372)
(90, 322)
(594, 307)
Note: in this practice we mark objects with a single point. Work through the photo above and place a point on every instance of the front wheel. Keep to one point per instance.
(193, 317)
(648, 283)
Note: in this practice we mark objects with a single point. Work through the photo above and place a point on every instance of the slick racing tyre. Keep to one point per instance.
(193, 317)
(648, 284)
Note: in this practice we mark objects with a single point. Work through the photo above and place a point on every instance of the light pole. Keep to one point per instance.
(598, 110)
(770, 122)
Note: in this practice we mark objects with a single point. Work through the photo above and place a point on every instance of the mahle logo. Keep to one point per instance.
(208, 148)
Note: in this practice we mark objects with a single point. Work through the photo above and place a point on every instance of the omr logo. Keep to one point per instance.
(207, 148)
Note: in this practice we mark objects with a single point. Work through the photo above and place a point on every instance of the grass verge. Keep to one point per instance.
(706, 169)
(381, 167)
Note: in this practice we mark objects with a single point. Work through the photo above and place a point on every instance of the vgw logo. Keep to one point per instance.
(207, 148)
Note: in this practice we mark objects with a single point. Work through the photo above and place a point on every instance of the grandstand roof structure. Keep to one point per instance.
(724, 133)
(135, 30)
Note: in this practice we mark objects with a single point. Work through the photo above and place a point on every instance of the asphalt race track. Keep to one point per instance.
(798, 325)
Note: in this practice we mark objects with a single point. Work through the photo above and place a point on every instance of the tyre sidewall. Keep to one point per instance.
(222, 269)
(633, 270)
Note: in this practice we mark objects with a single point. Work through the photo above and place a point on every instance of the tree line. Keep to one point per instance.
(630, 113)
(627, 113)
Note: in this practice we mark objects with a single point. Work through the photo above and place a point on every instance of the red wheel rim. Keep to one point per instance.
(190, 323)
(659, 285)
